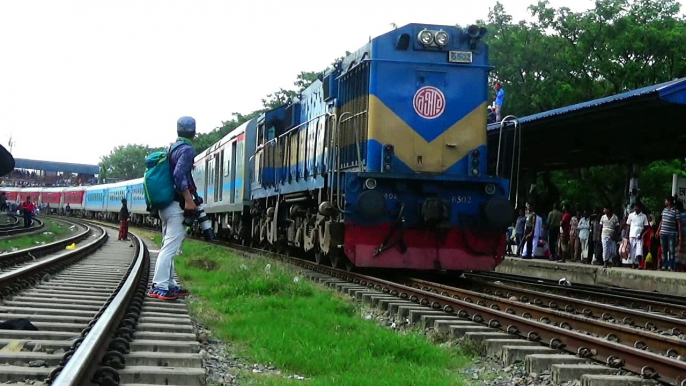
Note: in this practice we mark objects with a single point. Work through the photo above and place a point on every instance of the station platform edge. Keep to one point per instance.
(673, 283)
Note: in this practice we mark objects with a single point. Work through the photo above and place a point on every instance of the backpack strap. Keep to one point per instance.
(179, 142)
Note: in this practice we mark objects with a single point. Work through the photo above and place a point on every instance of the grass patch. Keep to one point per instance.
(273, 316)
(52, 230)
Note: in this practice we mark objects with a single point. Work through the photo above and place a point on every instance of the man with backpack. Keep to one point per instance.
(170, 191)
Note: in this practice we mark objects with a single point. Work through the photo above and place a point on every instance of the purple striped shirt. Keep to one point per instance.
(182, 161)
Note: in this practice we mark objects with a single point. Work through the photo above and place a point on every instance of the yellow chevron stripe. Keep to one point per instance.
(438, 155)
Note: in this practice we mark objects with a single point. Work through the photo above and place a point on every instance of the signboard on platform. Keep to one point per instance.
(679, 188)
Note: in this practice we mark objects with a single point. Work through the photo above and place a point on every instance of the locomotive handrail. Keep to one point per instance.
(338, 159)
(357, 140)
(262, 146)
(500, 139)
(518, 133)
(291, 129)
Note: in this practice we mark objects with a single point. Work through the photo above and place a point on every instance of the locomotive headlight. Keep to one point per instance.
(475, 171)
(490, 189)
(370, 183)
(425, 37)
(441, 38)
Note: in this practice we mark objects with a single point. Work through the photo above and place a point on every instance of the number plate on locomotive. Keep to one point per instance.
(460, 57)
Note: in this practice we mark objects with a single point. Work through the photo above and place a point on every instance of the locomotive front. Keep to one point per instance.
(412, 124)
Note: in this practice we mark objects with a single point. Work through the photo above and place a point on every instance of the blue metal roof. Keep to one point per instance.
(64, 167)
(673, 92)
(636, 126)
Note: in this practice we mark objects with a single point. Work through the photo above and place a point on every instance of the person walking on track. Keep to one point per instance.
(181, 159)
(27, 209)
(123, 221)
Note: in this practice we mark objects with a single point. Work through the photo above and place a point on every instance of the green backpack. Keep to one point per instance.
(158, 182)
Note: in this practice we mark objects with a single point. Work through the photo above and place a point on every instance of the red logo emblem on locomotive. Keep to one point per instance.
(429, 102)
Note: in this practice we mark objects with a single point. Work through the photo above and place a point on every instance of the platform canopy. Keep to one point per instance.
(637, 126)
(64, 167)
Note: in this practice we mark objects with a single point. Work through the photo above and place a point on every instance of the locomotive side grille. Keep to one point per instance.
(354, 96)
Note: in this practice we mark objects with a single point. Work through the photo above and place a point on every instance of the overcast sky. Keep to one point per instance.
(78, 78)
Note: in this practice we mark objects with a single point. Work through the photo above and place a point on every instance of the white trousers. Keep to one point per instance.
(173, 233)
(636, 249)
(584, 248)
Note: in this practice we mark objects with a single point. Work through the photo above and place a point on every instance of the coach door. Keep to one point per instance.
(232, 174)
(218, 173)
(208, 179)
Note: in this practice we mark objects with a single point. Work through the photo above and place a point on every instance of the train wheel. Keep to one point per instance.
(320, 258)
(347, 264)
(338, 260)
(283, 250)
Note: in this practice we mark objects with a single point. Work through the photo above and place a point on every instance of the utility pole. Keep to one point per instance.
(11, 143)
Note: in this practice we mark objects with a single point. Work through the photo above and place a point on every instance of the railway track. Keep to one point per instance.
(543, 330)
(18, 229)
(619, 296)
(11, 222)
(92, 322)
(575, 335)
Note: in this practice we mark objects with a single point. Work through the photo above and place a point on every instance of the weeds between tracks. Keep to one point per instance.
(54, 230)
(272, 315)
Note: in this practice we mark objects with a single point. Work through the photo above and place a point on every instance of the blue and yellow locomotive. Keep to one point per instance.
(381, 162)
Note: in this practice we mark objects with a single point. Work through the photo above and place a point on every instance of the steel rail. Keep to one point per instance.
(10, 224)
(17, 257)
(642, 362)
(610, 293)
(665, 345)
(627, 316)
(92, 360)
(17, 231)
(645, 363)
(25, 276)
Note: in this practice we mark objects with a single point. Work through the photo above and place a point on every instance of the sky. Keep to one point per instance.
(78, 78)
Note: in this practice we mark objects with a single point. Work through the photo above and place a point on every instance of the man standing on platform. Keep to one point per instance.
(529, 232)
(574, 245)
(520, 225)
(553, 225)
(668, 232)
(565, 227)
(609, 223)
(638, 223)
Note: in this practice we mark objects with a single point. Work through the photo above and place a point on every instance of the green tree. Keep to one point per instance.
(125, 162)
(566, 57)
(282, 96)
(204, 140)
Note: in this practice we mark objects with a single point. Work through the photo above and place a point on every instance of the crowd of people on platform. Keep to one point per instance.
(637, 240)
(23, 178)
